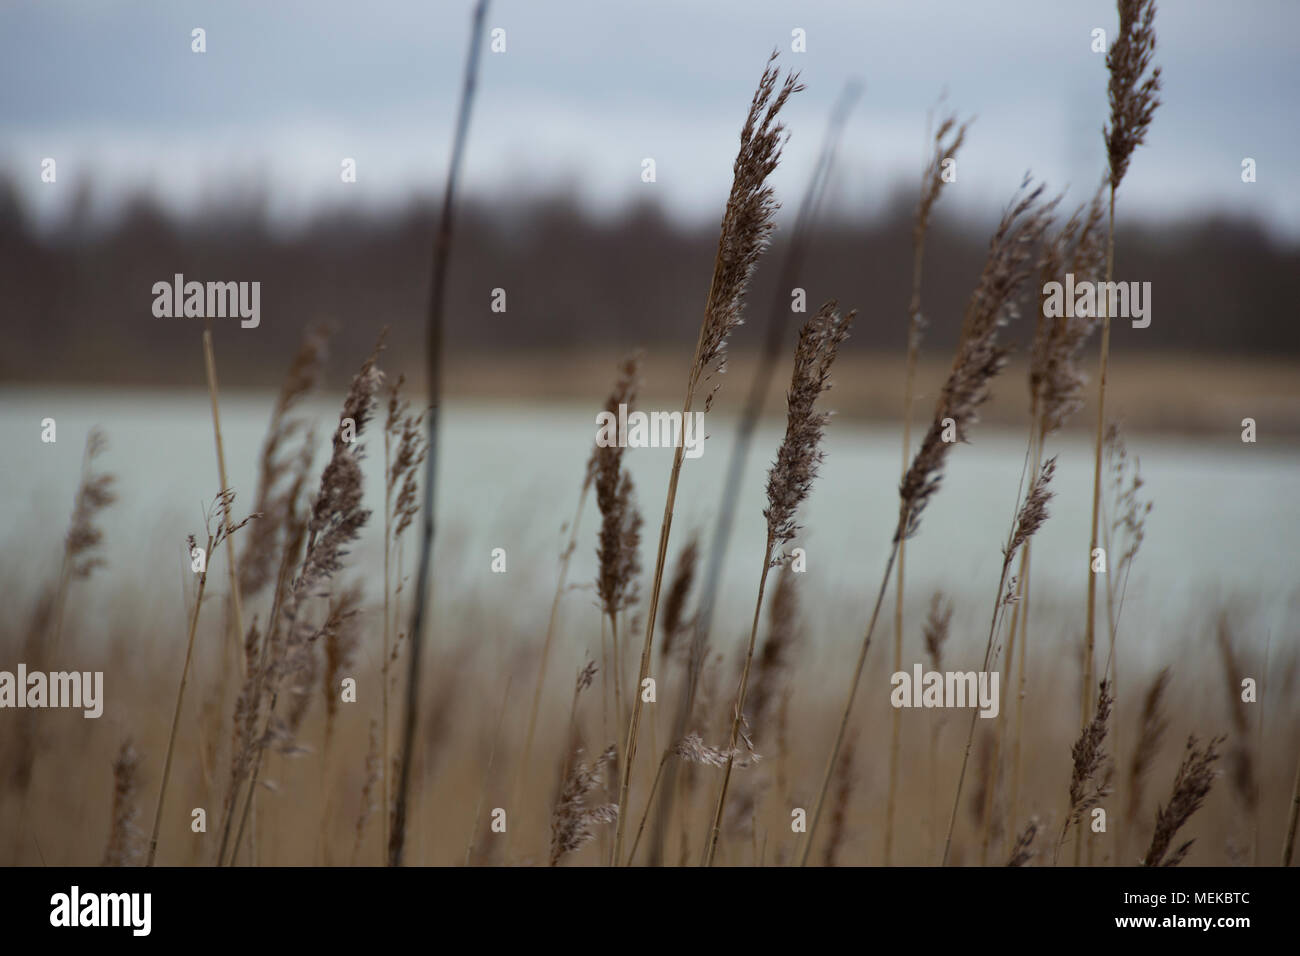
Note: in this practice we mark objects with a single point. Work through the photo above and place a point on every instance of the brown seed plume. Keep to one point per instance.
(1151, 731)
(572, 820)
(620, 531)
(94, 494)
(126, 839)
(774, 659)
(676, 622)
(1191, 786)
(1131, 91)
(980, 356)
(747, 222)
(693, 749)
(1056, 382)
(790, 479)
(1240, 757)
(342, 638)
(936, 629)
(1023, 853)
(405, 430)
(1089, 785)
(368, 803)
(845, 780)
(277, 466)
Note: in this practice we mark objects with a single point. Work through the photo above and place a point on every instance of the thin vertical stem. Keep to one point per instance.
(176, 713)
(437, 297)
(386, 767)
(740, 707)
(1085, 695)
(522, 769)
(236, 602)
(853, 692)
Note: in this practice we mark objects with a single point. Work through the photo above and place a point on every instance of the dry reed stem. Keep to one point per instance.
(774, 337)
(1089, 785)
(437, 296)
(789, 483)
(1192, 785)
(1151, 730)
(746, 227)
(334, 522)
(236, 629)
(1032, 515)
(535, 708)
(1288, 845)
(1022, 851)
(487, 771)
(94, 494)
(373, 756)
(931, 184)
(1132, 95)
(979, 358)
(221, 511)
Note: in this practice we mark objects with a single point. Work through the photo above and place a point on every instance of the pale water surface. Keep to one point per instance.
(1223, 531)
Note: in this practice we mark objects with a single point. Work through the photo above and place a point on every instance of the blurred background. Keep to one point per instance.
(226, 166)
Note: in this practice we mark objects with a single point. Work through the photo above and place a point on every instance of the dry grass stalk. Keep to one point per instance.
(619, 541)
(1056, 385)
(947, 141)
(572, 821)
(1288, 845)
(789, 483)
(373, 771)
(286, 657)
(746, 227)
(676, 622)
(125, 841)
(1191, 786)
(487, 771)
(224, 529)
(437, 300)
(846, 781)
(404, 451)
(775, 335)
(774, 660)
(278, 466)
(980, 356)
(1241, 761)
(1151, 730)
(692, 749)
(534, 709)
(236, 616)
(341, 635)
(81, 544)
(1132, 93)
(934, 635)
(1022, 851)
(1031, 517)
(1089, 782)
(342, 638)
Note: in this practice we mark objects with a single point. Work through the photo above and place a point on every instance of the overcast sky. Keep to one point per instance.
(588, 88)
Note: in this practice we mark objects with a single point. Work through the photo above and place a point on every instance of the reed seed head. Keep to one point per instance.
(747, 222)
(1191, 786)
(980, 356)
(1132, 91)
(791, 477)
